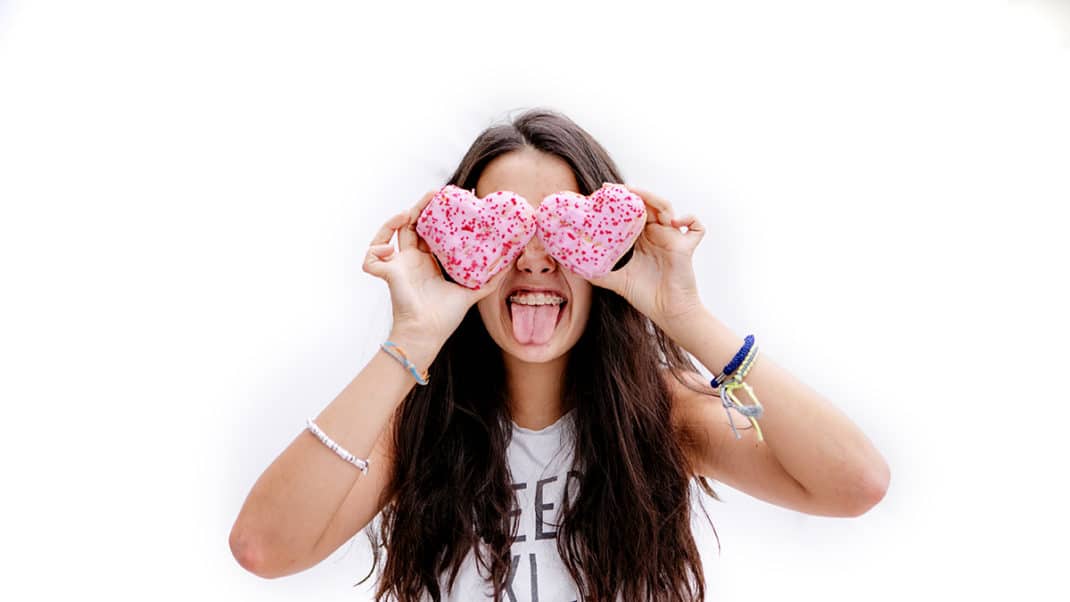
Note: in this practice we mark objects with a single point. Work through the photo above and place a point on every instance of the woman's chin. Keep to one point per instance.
(529, 354)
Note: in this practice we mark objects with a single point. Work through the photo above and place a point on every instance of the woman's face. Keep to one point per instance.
(530, 332)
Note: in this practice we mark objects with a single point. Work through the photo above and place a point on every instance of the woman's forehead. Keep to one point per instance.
(528, 172)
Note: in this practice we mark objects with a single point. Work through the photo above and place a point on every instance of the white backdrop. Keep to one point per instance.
(188, 189)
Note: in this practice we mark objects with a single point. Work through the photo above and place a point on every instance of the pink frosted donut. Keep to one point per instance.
(475, 238)
(588, 234)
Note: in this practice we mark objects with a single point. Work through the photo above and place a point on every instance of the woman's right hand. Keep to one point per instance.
(423, 300)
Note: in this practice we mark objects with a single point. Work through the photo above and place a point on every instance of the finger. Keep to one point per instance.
(652, 211)
(668, 236)
(418, 208)
(684, 221)
(373, 265)
(382, 251)
(662, 236)
(662, 212)
(407, 236)
(695, 229)
(386, 232)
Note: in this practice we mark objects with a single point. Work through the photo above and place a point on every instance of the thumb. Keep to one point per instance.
(613, 281)
(491, 286)
(474, 295)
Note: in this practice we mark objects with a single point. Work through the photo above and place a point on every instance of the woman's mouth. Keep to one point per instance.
(534, 316)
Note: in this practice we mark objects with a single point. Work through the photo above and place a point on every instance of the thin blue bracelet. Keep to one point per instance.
(737, 359)
(400, 356)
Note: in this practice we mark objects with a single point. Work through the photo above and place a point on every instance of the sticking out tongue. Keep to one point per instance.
(534, 323)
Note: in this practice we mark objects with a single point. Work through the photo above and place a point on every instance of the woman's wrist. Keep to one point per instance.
(420, 348)
(683, 328)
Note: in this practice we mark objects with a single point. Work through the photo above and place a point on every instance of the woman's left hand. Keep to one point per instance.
(658, 280)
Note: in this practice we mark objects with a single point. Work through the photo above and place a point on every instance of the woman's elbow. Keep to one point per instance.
(872, 487)
(243, 550)
(249, 554)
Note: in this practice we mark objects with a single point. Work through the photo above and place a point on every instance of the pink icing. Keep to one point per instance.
(588, 234)
(475, 238)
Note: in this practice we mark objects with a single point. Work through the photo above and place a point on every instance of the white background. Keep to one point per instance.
(188, 189)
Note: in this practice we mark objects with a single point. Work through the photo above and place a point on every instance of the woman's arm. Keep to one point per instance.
(813, 458)
(309, 501)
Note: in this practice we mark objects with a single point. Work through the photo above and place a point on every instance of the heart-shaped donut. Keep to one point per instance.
(476, 238)
(588, 234)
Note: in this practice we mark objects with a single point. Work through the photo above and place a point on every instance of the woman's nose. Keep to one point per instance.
(535, 259)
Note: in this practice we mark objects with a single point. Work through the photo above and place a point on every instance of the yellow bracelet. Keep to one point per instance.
(729, 399)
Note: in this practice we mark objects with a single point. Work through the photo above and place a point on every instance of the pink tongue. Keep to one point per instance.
(534, 323)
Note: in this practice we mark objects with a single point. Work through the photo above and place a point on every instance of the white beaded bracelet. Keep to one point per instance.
(338, 449)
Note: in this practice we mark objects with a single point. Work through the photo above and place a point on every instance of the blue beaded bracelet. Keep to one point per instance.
(732, 378)
(737, 359)
(400, 356)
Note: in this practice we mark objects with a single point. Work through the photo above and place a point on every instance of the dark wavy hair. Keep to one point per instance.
(628, 530)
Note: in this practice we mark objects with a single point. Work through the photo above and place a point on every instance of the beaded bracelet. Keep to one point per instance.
(400, 356)
(731, 378)
(737, 359)
(338, 449)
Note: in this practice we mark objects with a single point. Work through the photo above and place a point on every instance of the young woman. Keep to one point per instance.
(548, 462)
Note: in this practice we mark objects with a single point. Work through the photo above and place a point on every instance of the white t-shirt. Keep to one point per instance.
(539, 461)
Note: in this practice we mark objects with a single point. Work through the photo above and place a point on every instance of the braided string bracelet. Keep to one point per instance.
(398, 354)
(338, 449)
(731, 378)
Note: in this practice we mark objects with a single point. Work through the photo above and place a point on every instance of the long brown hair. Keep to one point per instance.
(628, 530)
